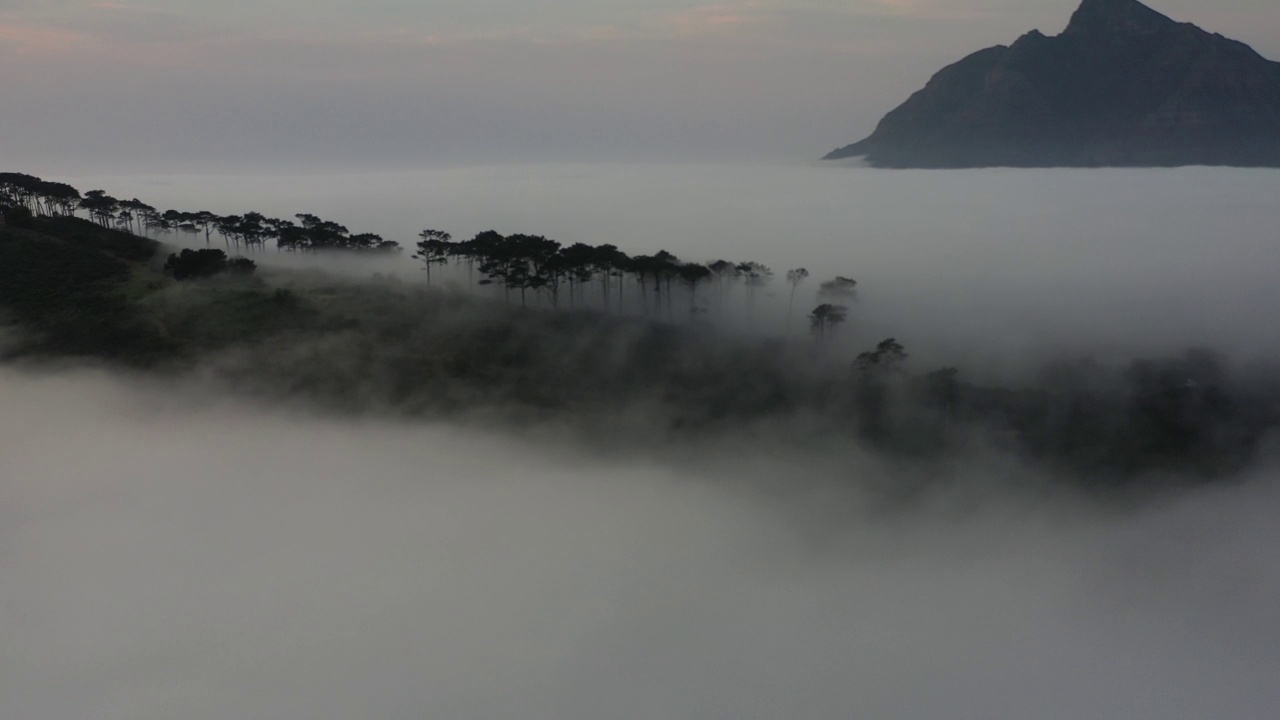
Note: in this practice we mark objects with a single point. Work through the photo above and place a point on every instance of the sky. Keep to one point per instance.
(98, 86)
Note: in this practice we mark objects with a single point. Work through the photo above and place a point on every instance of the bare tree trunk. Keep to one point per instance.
(791, 306)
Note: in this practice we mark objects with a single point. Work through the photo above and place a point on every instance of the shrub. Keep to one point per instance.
(190, 264)
(241, 265)
(18, 216)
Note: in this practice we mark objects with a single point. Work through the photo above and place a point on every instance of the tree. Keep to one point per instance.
(839, 290)
(228, 227)
(435, 248)
(188, 228)
(371, 242)
(478, 248)
(578, 262)
(135, 210)
(206, 220)
(39, 196)
(544, 272)
(691, 275)
(755, 276)
(190, 264)
(100, 206)
(888, 357)
(941, 390)
(322, 234)
(154, 221)
(252, 229)
(58, 197)
(285, 232)
(519, 262)
(19, 189)
(644, 267)
(204, 263)
(609, 263)
(877, 372)
(666, 267)
(794, 278)
(824, 319)
(241, 266)
(724, 273)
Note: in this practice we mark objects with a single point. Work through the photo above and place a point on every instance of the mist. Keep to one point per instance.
(1028, 470)
(167, 551)
(985, 268)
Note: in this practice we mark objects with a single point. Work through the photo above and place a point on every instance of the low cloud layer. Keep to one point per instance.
(164, 554)
(982, 269)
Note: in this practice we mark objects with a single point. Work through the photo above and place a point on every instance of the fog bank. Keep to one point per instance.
(976, 268)
(165, 554)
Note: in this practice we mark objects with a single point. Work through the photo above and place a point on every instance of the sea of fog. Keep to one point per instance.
(170, 554)
(169, 551)
(977, 266)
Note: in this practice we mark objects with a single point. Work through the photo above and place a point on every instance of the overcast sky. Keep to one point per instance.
(95, 86)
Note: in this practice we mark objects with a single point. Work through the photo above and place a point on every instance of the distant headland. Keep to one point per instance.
(1122, 86)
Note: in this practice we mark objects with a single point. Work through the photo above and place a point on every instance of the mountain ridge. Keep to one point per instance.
(1122, 85)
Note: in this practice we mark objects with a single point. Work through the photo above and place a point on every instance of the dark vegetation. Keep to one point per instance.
(190, 264)
(92, 289)
(250, 231)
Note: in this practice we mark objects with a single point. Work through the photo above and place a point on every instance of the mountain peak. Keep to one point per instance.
(1122, 86)
(1110, 17)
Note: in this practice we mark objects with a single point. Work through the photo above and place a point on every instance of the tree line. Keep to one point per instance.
(524, 266)
(661, 284)
(1191, 415)
(250, 231)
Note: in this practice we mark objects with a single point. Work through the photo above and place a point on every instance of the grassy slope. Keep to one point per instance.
(76, 289)
(71, 287)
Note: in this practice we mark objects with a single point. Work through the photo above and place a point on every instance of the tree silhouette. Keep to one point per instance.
(20, 190)
(129, 211)
(196, 264)
(657, 268)
(610, 264)
(888, 357)
(578, 264)
(839, 290)
(38, 196)
(724, 273)
(544, 271)
(100, 206)
(755, 276)
(824, 319)
(665, 269)
(794, 278)
(476, 249)
(691, 275)
(206, 220)
(878, 372)
(252, 229)
(517, 262)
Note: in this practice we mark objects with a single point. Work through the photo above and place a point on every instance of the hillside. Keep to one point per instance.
(1123, 85)
(71, 289)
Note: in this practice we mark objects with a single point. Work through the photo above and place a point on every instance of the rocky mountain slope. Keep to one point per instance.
(1123, 85)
